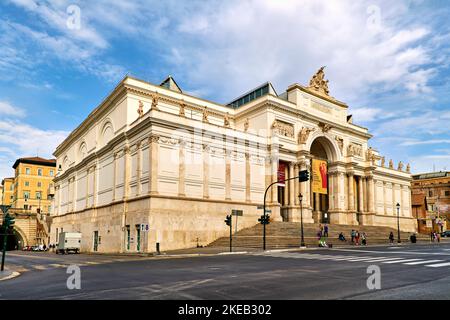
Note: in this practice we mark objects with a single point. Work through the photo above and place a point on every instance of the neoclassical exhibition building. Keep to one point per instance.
(152, 164)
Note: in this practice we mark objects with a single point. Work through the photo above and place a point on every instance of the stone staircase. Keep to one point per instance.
(287, 235)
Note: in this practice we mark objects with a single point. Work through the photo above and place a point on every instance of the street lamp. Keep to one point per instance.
(398, 223)
(300, 197)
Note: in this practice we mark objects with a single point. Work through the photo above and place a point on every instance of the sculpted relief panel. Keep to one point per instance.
(283, 128)
(354, 150)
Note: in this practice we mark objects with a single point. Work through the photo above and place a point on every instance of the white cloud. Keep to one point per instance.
(6, 109)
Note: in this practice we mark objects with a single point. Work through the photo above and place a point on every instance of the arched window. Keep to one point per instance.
(82, 152)
(107, 133)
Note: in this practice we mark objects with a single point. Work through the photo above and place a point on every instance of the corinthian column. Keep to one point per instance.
(154, 155)
(371, 194)
(351, 194)
(291, 185)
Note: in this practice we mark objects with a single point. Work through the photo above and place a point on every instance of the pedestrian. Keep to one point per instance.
(325, 231)
(357, 235)
(432, 236)
(341, 237)
(353, 236)
(437, 237)
(391, 238)
(363, 239)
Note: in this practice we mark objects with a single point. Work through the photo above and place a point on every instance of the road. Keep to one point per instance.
(407, 272)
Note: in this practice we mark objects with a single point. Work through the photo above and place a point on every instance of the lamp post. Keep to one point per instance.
(300, 197)
(398, 223)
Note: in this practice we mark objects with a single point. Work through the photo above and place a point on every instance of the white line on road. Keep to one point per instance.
(381, 259)
(446, 264)
(401, 261)
(422, 262)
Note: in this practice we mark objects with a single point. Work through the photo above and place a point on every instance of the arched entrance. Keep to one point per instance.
(15, 240)
(322, 149)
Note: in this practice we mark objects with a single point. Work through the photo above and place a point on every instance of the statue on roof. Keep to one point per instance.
(318, 82)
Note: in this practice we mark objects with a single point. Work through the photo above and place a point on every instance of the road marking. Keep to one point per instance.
(92, 262)
(392, 252)
(401, 261)
(422, 262)
(360, 259)
(381, 259)
(446, 264)
(57, 265)
(40, 267)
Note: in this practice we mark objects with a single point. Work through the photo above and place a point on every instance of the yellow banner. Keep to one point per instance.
(319, 176)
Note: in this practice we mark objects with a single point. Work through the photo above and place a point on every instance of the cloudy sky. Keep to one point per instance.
(389, 60)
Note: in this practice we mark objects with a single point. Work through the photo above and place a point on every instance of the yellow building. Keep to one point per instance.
(7, 191)
(32, 183)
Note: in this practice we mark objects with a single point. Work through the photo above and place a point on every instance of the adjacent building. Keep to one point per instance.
(431, 200)
(152, 155)
(30, 195)
(7, 188)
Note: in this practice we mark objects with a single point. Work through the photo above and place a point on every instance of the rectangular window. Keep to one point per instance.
(447, 193)
(430, 193)
(27, 171)
(27, 183)
(51, 173)
(38, 195)
(26, 194)
(25, 207)
(39, 172)
(39, 184)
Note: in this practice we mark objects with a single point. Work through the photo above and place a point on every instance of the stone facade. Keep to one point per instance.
(151, 155)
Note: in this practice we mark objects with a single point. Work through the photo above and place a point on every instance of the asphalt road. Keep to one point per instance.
(406, 272)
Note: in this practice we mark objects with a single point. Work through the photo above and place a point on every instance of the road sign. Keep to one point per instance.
(237, 213)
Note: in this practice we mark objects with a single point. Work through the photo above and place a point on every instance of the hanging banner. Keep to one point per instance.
(319, 176)
(281, 174)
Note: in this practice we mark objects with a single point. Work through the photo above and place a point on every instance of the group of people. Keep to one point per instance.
(322, 235)
(358, 238)
(435, 237)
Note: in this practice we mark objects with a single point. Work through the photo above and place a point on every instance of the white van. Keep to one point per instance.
(69, 242)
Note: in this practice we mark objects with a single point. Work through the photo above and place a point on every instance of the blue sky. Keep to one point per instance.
(387, 59)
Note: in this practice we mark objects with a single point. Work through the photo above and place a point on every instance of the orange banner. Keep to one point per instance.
(319, 176)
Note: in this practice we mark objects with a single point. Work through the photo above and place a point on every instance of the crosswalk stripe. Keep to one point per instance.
(40, 267)
(446, 264)
(92, 262)
(422, 262)
(401, 261)
(382, 259)
(360, 259)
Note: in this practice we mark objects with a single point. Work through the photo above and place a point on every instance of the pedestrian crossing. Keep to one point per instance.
(430, 263)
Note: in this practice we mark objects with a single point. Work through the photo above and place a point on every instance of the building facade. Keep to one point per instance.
(7, 191)
(153, 155)
(434, 188)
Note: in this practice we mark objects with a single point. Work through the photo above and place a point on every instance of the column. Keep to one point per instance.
(227, 174)
(297, 185)
(291, 185)
(371, 194)
(361, 195)
(114, 177)
(154, 154)
(182, 169)
(331, 192)
(365, 198)
(205, 171)
(274, 188)
(384, 198)
(127, 172)
(351, 194)
(247, 177)
(95, 185)
(138, 169)
(317, 201)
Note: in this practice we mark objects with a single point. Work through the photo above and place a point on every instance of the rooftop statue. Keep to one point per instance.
(318, 82)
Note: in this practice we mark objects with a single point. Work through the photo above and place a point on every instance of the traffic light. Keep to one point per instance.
(228, 220)
(8, 221)
(303, 176)
(265, 219)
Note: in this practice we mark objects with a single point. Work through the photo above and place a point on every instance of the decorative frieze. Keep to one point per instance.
(283, 128)
(304, 134)
(354, 150)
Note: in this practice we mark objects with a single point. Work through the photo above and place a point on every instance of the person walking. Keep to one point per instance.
(363, 239)
(352, 234)
(391, 238)
(325, 231)
(357, 235)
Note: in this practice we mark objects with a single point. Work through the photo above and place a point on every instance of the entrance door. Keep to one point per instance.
(138, 238)
(95, 241)
(128, 238)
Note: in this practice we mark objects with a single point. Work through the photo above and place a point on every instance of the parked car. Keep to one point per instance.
(445, 234)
